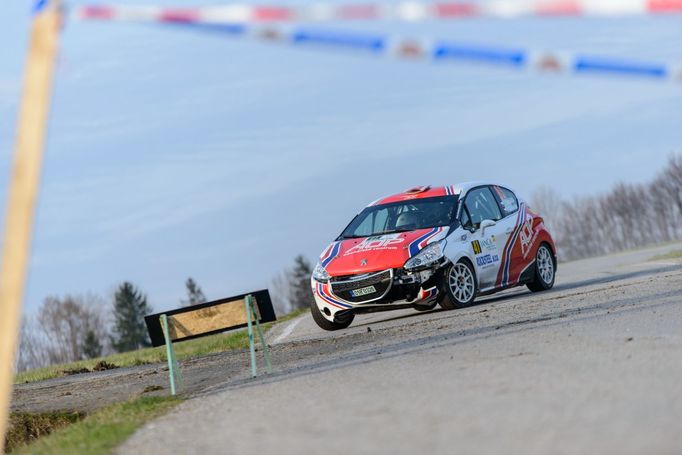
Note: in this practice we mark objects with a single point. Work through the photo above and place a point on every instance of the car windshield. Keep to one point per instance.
(403, 216)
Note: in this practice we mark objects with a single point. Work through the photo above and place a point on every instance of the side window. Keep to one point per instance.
(465, 220)
(482, 206)
(507, 200)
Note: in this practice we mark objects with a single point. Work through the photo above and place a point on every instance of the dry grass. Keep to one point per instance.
(99, 432)
(671, 255)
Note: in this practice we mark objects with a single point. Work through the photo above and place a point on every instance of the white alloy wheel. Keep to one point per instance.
(461, 283)
(545, 265)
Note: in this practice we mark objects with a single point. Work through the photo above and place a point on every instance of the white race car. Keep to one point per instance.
(432, 245)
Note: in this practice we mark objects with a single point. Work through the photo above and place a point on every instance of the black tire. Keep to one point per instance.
(457, 298)
(545, 264)
(326, 324)
(425, 307)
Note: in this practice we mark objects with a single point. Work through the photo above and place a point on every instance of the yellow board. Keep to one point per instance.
(206, 320)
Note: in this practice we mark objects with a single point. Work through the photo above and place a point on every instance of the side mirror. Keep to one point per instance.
(486, 224)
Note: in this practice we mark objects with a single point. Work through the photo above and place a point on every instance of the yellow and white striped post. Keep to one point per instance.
(23, 189)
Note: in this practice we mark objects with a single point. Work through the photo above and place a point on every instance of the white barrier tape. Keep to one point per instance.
(404, 11)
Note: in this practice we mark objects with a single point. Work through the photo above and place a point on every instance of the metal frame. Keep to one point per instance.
(173, 366)
(250, 309)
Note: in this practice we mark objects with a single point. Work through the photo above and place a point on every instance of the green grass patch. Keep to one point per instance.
(675, 254)
(187, 349)
(26, 427)
(102, 431)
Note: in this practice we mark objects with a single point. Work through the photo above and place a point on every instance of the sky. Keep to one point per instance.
(173, 153)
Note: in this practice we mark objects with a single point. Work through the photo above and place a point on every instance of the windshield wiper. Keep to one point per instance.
(395, 231)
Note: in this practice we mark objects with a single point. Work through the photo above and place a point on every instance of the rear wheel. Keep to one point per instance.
(545, 268)
(459, 281)
(325, 323)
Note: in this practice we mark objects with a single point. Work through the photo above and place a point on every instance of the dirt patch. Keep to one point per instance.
(152, 388)
(100, 366)
(25, 427)
(103, 366)
(73, 371)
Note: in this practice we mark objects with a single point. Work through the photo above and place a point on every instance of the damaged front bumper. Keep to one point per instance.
(378, 291)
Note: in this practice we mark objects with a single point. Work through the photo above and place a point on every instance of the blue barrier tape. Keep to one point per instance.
(441, 51)
(512, 57)
(602, 65)
(373, 43)
(231, 29)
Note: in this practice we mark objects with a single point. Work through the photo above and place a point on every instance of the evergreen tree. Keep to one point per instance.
(194, 294)
(130, 307)
(300, 292)
(92, 348)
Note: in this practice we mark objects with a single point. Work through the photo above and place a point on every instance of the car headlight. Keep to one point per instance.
(320, 274)
(427, 257)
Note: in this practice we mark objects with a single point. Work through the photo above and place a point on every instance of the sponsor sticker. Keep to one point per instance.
(531, 243)
(527, 236)
(384, 242)
(487, 260)
(489, 244)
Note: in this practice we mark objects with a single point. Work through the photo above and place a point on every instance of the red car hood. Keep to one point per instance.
(371, 254)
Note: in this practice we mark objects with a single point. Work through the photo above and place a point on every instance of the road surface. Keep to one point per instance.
(593, 366)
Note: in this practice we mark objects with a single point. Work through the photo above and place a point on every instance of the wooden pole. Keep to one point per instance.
(23, 190)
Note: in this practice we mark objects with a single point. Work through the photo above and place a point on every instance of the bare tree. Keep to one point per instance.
(279, 292)
(31, 353)
(291, 287)
(548, 203)
(65, 322)
(627, 216)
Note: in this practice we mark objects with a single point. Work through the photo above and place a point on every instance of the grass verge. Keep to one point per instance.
(101, 431)
(187, 349)
(25, 427)
(675, 254)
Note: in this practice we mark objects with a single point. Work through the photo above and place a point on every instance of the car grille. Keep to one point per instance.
(381, 281)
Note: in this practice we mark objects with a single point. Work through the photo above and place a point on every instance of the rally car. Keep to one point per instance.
(441, 245)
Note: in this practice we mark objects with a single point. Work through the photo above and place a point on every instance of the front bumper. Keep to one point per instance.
(376, 291)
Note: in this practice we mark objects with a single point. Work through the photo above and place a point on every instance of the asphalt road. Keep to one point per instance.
(593, 366)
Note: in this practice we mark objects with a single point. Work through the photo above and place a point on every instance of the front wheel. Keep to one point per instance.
(325, 323)
(545, 270)
(459, 281)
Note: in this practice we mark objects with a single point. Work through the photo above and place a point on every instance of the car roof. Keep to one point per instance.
(427, 191)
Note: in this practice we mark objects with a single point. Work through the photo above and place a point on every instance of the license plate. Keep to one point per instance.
(363, 291)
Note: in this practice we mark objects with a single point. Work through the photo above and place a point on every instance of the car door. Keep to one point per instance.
(510, 224)
(482, 214)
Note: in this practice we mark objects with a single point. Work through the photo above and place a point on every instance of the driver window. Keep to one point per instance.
(482, 206)
(465, 221)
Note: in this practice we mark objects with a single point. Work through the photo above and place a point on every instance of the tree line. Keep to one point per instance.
(627, 216)
(78, 327)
